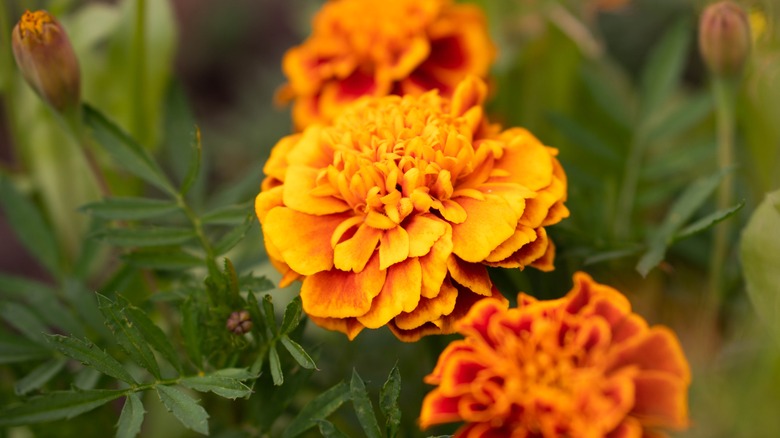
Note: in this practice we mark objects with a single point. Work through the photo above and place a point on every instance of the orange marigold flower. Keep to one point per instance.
(391, 213)
(379, 47)
(580, 366)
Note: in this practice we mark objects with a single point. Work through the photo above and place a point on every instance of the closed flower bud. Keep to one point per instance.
(239, 322)
(724, 38)
(46, 59)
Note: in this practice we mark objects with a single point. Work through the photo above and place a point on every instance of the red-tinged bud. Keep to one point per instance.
(239, 322)
(724, 38)
(46, 59)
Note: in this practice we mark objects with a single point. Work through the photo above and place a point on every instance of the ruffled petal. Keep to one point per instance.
(400, 293)
(339, 294)
(489, 223)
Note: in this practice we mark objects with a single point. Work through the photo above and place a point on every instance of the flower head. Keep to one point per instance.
(378, 47)
(46, 59)
(580, 366)
(391, 214)
(724, 38)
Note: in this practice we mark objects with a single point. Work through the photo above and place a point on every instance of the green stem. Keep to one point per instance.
(724, 90)
(198, 226)
(139, 73)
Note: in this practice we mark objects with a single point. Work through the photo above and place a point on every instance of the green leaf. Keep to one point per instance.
(128, 336)
(683, 208)
(13, 349)
(26, 322)
(363, 407)
(663, 67)
(708, 221)
(328, 430)
(43, 299)
(39, 376)
(224, 386)
(682, 118)
(275, 365)
(57, 405)
(194, 168)
(234, 214)
(759, 252)
(388, 402)
(584, 138)
(184, 408)
(191, 331)
(146, 237)
(603, 84)
(89, 354)
(156, 338)
(298, 353)
(163, 260)
(29, 225)
(270, 316)
(125, 150)
(131, 418)
(234, 236)
(292, 315)
(130, 208)
(256, 284)
(318, 409)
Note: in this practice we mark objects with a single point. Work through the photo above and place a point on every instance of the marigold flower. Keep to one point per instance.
(391, 214)
(46, 59)
(378, 47)
(580, 366)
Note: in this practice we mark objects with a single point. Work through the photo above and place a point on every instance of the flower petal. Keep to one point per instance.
(434, 266)
(424, 230)
(339, 294)
(353, 253)
(349, 326)
(489, 223)
(303, 240)
(299, 183)
(661, 400)
(429, 309)
(401, 293)
(471, 275)
(393, 247)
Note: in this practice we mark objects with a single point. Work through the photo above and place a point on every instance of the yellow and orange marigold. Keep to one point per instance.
(379, 47)
(580, 366)
(391, 214)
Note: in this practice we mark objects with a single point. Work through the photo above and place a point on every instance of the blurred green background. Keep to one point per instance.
(619, 88)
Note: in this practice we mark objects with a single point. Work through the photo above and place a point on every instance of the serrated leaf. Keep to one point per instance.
(153, 335)
(39, 376)
(292, 315)
(759, 252)
(224, 386)
(276, 366)
(128, 336)
(185, 408)
(328, 430)
(388, 402)
(708, 221)
(131, 418)
(86, 378)
(125, 150)
(29, 226)
(256, 284)
(130, 208)
(57, 405)
(234, 214)
(194, 168)
(318, 409)
(190, 330)
(163, 260)
(89, 354)
(236, 373)
(146, 237)
(14, 349)
(298, 353)
(22, 319)
(683, 208)
(363, 407)
(234, 236)
(270, 316)
(663, 67)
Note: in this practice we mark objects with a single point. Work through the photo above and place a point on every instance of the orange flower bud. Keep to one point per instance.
(46, 59)
(724, 38)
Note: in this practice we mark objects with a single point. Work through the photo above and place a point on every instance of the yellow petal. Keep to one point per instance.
(401, 293)
(434, 266)
(267, 200)
(393, 247)
(523, 235)
(526, 159)
(424, 230)
(299, 183)
(303, 240)
(474, 276)
(489, 224)
(349, 326)
(429, 309)
(353, 253)
(339, 294)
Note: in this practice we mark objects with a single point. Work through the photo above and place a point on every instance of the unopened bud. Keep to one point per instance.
(724, 38)
(46, 59)
(239, 322)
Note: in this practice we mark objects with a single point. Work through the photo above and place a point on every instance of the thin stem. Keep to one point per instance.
(725, 96)
(198, 226)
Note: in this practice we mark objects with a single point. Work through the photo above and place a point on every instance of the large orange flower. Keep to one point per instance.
(580, 366)
(381, 47)
(391, 213)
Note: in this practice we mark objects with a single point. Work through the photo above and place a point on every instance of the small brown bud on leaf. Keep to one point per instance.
(239, 322)
(46, 59)
(724, 38)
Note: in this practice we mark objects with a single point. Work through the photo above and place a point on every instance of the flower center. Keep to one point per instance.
(33, 23)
